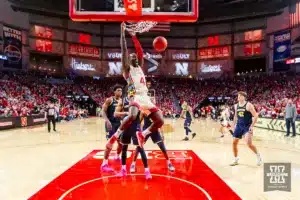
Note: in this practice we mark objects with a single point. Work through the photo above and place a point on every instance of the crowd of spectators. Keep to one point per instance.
(268, 93)
(28, 94)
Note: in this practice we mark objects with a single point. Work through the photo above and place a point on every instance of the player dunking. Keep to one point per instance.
(224, 119)
(155, 137)
(111, 123)
(134, 75)
(244, 120)
(128, 135)
(187, 114)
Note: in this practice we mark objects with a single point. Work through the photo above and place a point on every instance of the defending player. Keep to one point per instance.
(224, 120)
(155, 137)
(187, 114)
(128, 135)
(244, 120)
(134, 75)
(111, 123)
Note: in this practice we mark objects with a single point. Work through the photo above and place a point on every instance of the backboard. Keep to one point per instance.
(152, 10)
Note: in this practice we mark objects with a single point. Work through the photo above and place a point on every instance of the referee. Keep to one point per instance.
(50, 115)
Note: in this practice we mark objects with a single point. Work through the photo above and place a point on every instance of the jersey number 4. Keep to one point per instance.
(143, 80)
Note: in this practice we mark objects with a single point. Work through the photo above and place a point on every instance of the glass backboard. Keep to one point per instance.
(152, 10)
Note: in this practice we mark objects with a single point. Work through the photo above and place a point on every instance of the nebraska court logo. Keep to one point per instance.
(277, 176)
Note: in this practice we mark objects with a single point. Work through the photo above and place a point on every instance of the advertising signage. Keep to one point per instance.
(83, 67)
(255, 35)
(282, 46)
(85, 51)
(214, 52)
(215, 40)
(12, 47)
(43, 32)
(178, 68)
(173, 54)
(111, 68)
(115, 54)
(215, 69)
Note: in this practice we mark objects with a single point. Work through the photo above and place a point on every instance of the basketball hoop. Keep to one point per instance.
(139, 27)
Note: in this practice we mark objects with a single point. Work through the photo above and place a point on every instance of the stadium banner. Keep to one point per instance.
(12, 45)
(188, 55)
(275, 124)
(85, 51)
(18, 122)
(215, 69)
(282, 46)
(83, 67)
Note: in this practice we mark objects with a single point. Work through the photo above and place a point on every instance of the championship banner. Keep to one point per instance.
(12, 45)
(282, 46)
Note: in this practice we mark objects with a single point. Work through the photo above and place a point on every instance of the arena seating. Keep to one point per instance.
(27, 94)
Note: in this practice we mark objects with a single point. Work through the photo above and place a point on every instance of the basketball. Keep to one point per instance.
(160, 43)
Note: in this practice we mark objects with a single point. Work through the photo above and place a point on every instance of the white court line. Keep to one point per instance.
(159, 175)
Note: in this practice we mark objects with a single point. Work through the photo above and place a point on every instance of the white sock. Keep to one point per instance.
(105, 162)
(124, 167)
(146, 169)
(236, 158)
(133, 163)
(118, 133)
(258, 155)
(169, 162)
(146, 132)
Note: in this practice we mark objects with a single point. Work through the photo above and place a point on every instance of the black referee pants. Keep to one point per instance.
(51, 119)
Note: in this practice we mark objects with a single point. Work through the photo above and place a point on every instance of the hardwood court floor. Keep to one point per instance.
(31, 157)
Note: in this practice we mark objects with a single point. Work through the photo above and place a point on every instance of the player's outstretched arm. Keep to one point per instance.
(139, 50)
(125, 62)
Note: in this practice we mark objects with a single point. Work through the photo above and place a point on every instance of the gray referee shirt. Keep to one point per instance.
(291, 112)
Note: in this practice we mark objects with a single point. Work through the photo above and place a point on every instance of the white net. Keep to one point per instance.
(139, 27)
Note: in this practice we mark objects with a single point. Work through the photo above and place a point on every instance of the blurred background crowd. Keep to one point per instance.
(29, 93)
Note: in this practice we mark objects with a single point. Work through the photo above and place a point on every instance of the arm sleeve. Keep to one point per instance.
(138, 47)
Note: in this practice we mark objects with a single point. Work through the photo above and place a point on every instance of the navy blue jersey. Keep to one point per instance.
(188, 115)
(110, 111)
(147, 123)
(126, 104)
(244, 117)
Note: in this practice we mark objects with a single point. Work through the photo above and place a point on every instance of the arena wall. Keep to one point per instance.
(191, 37)
(275, 124)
